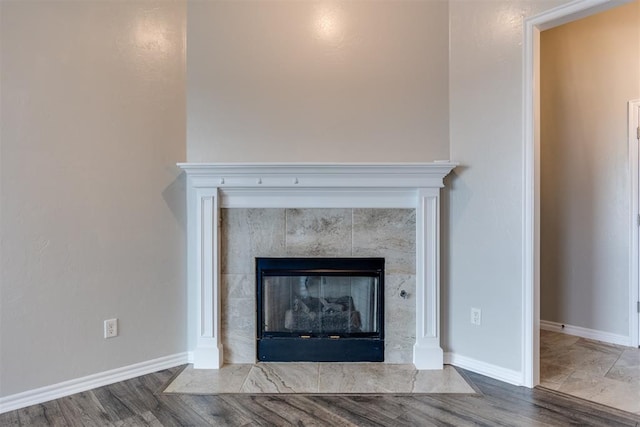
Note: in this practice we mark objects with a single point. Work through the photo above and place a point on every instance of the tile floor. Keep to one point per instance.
(318, 378)
(593, 370)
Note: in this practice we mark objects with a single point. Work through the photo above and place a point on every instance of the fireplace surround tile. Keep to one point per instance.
(388, 231)
(239, 348)
(237, 317)
(238, 285)
(248, 233)
(319, 232)
(399, 314)
(316, 232)
(238, 322)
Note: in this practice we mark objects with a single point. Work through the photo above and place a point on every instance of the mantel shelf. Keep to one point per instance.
(319, 175)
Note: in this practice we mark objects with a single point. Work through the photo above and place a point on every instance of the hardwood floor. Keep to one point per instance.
(140, 402)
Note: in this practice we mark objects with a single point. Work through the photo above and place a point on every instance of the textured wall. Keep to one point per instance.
(92, 209)
(317, 81)
(590, 69)
(483, 262)
(250, 233)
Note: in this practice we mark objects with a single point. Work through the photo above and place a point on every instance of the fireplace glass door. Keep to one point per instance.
(320, 305)
(320, 309)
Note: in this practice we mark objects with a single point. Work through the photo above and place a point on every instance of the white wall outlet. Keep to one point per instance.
(111, 328)
(476, 316)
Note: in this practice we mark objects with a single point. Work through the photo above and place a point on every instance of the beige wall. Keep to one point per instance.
(92, 123)
(317, 81)
(590, 69)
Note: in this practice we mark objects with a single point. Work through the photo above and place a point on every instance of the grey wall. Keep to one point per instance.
(92, 209)
(590, 69)
(483, 262)
(317, 81)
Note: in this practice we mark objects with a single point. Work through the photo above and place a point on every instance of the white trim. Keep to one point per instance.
(634, 223)
(581, 332)
(212, 186)
(427, 351)
(209, 350)
(318, 198)
(78, 385)
(317, 175)
(530, 236)
(572, 11)
(531, 174)
(493, 371)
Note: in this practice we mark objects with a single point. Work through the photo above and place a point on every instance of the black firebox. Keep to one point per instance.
(320, 309)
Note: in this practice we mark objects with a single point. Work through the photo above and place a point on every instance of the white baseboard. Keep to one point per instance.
(66, 388)
(581, 332)
(496, 372)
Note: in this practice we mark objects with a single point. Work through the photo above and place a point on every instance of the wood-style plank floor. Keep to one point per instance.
(140, 402)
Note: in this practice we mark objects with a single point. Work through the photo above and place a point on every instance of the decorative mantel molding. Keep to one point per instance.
(212, 186)
(319, 174)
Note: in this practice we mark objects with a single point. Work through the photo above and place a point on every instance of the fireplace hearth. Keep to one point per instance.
(320, 309)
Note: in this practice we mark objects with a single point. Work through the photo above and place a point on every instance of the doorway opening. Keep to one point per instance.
(531, 177)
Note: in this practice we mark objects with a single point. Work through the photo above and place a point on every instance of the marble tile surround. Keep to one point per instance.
(249, 233)
(318, 378)
(592, 370)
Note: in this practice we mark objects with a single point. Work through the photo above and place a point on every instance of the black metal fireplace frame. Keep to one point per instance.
(345, 347)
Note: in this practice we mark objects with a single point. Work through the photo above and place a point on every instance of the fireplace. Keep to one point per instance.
(212, 187)
(320, 309)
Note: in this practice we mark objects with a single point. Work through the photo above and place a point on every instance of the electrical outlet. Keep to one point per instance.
(476, 316)
(111, 328)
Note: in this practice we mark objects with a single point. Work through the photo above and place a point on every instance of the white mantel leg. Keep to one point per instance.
(208, 351)
(427, 352)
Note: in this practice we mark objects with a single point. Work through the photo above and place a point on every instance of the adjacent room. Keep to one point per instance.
(590, 90)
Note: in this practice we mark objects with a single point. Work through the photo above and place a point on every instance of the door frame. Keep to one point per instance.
(530, 346)
(634, 243)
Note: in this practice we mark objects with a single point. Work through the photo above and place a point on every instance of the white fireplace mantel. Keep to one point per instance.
(212, 186)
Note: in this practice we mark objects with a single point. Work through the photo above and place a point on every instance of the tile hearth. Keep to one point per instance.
(318, 378)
